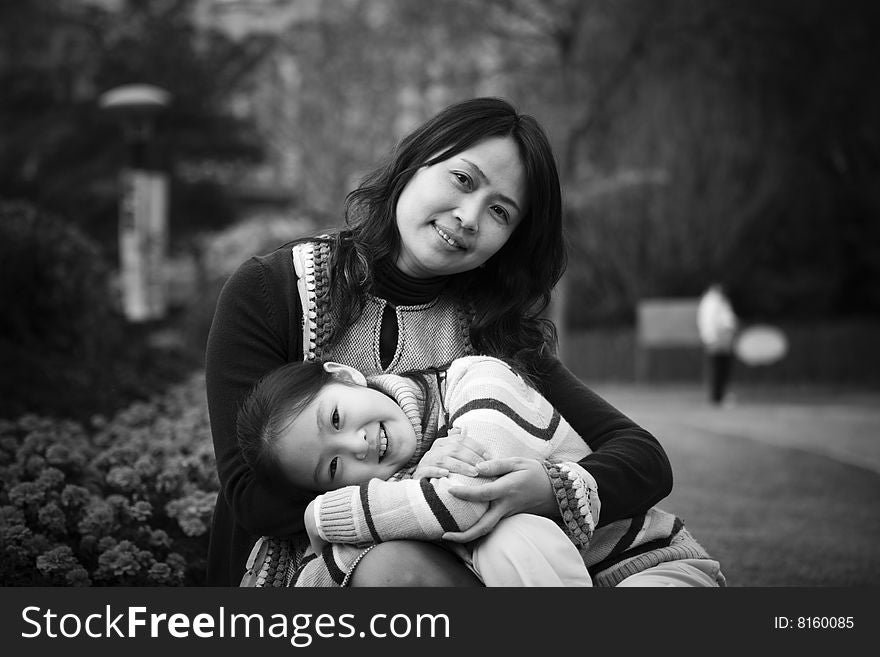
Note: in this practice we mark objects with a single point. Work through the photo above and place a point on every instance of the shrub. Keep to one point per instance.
(65, 349)
(224, 251)
(221, 253)
(54, 284)
(119, 502)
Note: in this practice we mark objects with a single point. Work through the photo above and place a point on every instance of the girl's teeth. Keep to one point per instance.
(383, 442)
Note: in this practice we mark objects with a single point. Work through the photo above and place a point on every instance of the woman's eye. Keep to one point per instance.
(501, 213)
(463, 179)
(332, 468)
(334, 418)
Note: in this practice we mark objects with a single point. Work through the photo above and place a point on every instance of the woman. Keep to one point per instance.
(450, 249)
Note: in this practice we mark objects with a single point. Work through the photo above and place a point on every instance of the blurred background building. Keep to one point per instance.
(697, 142)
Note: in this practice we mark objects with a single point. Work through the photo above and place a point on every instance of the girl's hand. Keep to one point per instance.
(315, 539)
(522, 487)
(456, 452)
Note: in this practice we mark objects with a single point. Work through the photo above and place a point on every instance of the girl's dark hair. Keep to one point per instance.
(510, 292)
(272, 404)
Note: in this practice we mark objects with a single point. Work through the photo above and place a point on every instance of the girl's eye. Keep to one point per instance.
(501, 213)
(332, 468)
(463, 179)
(334, 418)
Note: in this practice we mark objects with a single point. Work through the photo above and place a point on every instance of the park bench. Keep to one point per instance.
(667, 339)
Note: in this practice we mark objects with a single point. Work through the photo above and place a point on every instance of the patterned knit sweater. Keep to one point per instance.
(484, 397)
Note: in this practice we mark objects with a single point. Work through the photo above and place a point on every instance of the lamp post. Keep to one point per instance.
(143, 206)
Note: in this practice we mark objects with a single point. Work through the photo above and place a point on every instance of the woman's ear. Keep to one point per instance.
(345, 373)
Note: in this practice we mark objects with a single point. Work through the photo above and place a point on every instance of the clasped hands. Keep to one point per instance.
(521, 485)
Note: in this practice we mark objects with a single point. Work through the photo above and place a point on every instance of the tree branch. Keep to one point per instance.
(612, 82)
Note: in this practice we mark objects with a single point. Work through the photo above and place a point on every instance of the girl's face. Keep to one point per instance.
(454, 215)
(347, 435)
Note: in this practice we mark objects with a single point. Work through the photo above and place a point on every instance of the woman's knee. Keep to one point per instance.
(411, 563)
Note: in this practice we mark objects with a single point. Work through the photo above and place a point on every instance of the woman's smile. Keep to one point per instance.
(447, 236)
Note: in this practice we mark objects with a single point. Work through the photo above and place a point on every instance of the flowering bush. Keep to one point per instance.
(119, 502)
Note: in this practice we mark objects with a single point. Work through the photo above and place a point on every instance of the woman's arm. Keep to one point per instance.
(628, 471)
(629, 465)
(250, 336)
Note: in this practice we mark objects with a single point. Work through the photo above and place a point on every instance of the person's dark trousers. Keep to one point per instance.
(719, 373)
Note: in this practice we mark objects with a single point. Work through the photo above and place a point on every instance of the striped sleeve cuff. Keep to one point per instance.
(578, 498)
(334, 515)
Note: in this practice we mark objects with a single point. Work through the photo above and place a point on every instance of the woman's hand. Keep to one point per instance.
(456, 452)
(522, 487)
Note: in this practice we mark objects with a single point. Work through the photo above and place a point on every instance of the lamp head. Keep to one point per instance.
(134, 99)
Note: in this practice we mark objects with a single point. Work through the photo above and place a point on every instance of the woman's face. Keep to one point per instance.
(455, 215)
(347, 435)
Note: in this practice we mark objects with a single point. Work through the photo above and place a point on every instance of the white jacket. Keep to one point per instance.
(716, 321)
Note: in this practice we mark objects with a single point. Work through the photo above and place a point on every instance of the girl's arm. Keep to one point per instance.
(379, 511)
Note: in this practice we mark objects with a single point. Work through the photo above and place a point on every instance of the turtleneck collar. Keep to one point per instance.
(401, 289)
(421, 406)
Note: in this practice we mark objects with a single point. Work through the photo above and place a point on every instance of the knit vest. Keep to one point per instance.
(428, 335)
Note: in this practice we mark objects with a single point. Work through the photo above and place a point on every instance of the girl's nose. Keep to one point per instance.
(356, 443)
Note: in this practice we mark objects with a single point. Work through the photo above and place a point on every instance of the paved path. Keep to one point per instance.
(844, 426)
(783, 487)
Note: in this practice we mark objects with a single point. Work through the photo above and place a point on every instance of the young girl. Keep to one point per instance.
(325, 427)
(452, 248)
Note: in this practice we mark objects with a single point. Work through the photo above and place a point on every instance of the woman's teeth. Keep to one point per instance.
(383, 442)
(446, 236)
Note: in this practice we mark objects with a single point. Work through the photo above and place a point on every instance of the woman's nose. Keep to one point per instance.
(468, 215)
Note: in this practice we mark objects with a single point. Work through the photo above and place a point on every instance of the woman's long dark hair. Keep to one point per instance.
(510, 292)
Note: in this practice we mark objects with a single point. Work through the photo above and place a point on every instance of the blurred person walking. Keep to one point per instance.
(717, 324)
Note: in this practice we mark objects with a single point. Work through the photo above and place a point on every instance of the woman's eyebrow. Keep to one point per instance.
(482, 176)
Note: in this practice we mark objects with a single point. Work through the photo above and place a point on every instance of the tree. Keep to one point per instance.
(683, 131)
(61, 152)
(686, 131)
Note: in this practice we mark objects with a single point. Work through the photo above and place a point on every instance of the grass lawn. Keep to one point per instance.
(783, 487)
